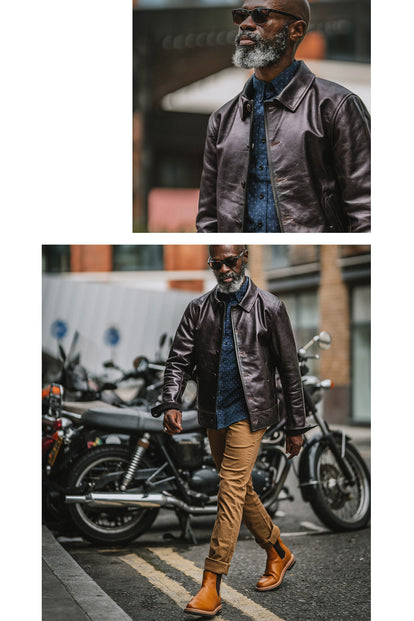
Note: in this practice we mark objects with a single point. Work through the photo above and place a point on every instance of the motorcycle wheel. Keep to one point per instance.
(109, 525)
(341, 507)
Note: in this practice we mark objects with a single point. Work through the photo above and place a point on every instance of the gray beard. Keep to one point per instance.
(264, 53)
(234, 285)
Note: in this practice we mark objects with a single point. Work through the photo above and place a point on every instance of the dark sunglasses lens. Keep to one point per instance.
(259, 16)
(215, 265)
(239, 15)
(231, 261)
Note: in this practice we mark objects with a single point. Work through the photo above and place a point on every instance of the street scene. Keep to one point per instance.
(154, 577)
(128, 510)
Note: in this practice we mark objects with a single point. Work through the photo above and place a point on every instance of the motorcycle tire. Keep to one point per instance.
(107, 525)
(340, 507)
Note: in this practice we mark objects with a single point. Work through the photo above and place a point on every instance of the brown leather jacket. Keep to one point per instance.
(264, 342)
(318, 144)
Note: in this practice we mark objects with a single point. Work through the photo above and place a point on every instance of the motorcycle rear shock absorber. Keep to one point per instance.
(142, 445)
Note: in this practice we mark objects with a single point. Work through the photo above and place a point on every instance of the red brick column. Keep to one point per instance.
(91, 258)
(335, 318)
(186, 257)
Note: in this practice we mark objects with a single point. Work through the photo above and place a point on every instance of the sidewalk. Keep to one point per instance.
(67, 590)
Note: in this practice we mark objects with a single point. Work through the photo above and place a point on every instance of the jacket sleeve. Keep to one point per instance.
(206, 221)
(351, 140)
(179, 366)
(288, 367)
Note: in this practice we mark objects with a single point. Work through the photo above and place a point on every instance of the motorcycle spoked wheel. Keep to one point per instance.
(109, 525)
(341, 507)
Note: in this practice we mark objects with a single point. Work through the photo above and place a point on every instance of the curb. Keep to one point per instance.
(85, 598)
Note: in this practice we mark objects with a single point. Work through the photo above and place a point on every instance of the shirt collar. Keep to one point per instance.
(266, 90)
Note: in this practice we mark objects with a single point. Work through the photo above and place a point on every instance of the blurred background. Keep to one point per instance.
(183, 72)
(122, 298)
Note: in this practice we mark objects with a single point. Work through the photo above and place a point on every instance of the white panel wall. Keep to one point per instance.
(139, 315)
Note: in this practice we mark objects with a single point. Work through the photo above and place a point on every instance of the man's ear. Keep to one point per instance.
(297, 31)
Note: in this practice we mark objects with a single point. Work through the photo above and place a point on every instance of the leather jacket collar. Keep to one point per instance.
(246, 303)
(290, 97)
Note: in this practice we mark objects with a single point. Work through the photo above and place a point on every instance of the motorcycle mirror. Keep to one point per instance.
(141, 364)
(62, 352)
(324, 340)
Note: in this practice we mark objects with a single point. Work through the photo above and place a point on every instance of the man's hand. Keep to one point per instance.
(172, 422)
(293, 445)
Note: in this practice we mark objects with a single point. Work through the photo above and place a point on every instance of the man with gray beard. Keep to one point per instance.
(291, 153)
(232, 339)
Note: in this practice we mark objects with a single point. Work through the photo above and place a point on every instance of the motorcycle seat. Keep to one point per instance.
(132, 419)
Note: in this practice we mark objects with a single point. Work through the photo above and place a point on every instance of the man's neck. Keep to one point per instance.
(267, 74)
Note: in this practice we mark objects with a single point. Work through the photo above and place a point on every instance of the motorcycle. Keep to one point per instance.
(120, 489)
(333, 476)
(146, 377)
(60, 448)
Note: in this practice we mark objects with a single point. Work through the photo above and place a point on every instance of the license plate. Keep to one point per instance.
(55, 450)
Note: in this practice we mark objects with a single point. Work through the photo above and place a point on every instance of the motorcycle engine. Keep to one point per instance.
(261, 481)
(206, 481)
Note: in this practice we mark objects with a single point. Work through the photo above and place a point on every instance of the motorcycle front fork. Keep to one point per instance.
(339, 453)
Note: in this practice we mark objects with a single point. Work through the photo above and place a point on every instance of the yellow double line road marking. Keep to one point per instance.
(162, 582)
(180, 595)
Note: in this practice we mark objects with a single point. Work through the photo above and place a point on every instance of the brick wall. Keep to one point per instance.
(90, 258)
(334, 317)
(186, 257)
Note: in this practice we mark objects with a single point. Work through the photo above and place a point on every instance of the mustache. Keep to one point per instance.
(232, 275)
(253, 36)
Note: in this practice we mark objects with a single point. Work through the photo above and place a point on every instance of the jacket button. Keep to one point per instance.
(249, 107)
(243, 184)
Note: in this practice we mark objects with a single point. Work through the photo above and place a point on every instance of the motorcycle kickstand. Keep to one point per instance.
(288, 494)
(186, 528)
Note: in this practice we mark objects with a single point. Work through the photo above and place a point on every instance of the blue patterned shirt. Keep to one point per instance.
(261, 216)
(231, 405)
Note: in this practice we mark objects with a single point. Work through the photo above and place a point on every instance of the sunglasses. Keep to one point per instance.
(216, 264)
(259, 15)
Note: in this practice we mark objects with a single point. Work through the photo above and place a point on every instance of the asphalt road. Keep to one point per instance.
(153, 578)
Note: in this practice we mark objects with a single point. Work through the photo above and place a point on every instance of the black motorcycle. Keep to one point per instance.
(140, 386)
(119, 489)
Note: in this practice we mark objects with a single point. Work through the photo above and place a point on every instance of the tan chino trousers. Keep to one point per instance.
(235, 450)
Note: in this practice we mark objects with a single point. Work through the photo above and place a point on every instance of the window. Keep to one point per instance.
(55, 259)
(361, 354)
(129, 258)
(303, 312)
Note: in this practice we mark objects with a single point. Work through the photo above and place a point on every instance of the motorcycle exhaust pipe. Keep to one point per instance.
(138, 500)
